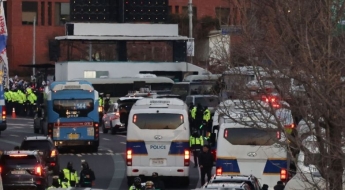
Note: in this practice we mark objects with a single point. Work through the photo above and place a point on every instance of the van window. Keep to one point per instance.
(250, 136)
(207, 101)
(158, 120)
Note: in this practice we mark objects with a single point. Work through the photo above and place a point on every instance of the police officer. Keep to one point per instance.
(136, 185)
(107, 102)
(63, 180)
(21, 102)
(31, 99)
(87, 176)
(199, 116)
(71, 175)
(206, 119)
(56, 183)
(196, 142)
(193, 116)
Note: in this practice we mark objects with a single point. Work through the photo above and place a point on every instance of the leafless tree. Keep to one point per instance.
(299, 44)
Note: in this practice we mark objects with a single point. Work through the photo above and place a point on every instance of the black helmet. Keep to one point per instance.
(85, 165)
(137, 180)
(69, 165)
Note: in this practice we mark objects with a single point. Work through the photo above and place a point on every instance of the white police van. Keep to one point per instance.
(244, 149)
(158, 139)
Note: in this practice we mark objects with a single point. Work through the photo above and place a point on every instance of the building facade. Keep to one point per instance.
(52, 14)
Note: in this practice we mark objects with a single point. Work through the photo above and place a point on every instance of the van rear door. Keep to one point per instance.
(165, 137)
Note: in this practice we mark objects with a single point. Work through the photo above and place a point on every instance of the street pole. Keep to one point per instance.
(190, 14)
(34, 47)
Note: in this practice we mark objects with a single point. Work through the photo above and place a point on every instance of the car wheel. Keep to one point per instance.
(104, 129)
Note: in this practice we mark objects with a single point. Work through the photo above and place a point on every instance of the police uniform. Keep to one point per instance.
(196, 142)
(206, 119)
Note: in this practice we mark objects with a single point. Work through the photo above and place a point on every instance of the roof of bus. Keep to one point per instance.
(192, 78)
(126, 80)
(80, 82)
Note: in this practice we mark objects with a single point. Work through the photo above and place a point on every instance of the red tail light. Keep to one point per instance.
(0, 169)
(283, 175)
(38, 170)
(129, 157)
(219, 171)
(3, 113)
(278, 135)
(186, 157)
(53, 153)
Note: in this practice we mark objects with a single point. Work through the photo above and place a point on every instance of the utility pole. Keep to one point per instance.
(34, 47)
(190, 40)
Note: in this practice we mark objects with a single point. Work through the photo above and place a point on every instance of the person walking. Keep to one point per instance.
(196, 142)
(205, 163)
(158, 183)
(280, 186)
(87, 176)
(136, 185)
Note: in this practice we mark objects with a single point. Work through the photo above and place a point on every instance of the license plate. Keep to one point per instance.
(73, 136)
(157, 162)
(17, 172)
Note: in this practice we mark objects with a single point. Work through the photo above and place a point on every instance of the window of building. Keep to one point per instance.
(185, 11)
(223, 15)
(50, 13)
(29, 12)
(177, 9)
(61, 13)
(43, 14)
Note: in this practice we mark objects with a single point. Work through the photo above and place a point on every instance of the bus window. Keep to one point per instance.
(207, 101)
(158, 121)
(250, 136)
(73, 108)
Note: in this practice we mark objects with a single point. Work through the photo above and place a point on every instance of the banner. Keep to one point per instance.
(3, 52)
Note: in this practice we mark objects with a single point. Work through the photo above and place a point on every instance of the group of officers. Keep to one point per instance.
(68, 177)
(21, 101)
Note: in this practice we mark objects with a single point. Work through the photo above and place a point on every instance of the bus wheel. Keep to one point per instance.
(104, 129)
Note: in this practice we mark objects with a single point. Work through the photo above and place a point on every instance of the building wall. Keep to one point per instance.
(20, 38)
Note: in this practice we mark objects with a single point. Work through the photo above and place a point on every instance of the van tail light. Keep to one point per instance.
(283, 175)
(38, 170)
(291, 126)
(53, 153)
(186, 157)
(219, 171)
(278, 135)
(3, 113)
(0, 169)
(129, 157)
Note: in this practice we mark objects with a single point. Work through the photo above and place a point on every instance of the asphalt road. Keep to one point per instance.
(108, 164)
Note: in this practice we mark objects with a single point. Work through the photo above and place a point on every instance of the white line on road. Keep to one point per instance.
(79, 155)
(110, 151)
(106, 139)
(20, 118)
(123, 142)
(14, 135)
(122, 136)
(100, 154)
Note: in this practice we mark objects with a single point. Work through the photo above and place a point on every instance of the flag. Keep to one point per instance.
(3, 52)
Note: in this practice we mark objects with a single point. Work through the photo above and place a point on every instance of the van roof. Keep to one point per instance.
(159, 101)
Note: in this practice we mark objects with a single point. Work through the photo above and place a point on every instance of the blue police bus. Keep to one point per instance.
(71, 117)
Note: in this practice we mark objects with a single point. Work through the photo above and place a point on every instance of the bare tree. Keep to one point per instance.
(299, 44)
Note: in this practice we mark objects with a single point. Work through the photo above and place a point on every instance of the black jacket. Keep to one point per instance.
(87, 176)
(159, 184)
(206, 160)
(279, 187)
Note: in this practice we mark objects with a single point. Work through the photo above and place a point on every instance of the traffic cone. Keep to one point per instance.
(13, 113)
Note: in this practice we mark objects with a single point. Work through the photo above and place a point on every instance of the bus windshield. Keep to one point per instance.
(73, 108)
(250, 136)
(158, 120)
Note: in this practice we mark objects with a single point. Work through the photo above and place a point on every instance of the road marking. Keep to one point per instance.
(79, 155)
(110, 154)
(106, 139)
(14, 135)
(94, 153)
(100, 154)
(21, 118)
(17, 124)
(119, 173)
(123, 142)
(88, 154)
(110, 151)
(122, 136)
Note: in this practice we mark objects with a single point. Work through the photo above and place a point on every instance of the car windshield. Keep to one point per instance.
(36, 145)
(158, 121)
(15, 160)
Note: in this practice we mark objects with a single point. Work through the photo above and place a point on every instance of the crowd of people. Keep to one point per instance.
(68, 177)
(21, 97)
